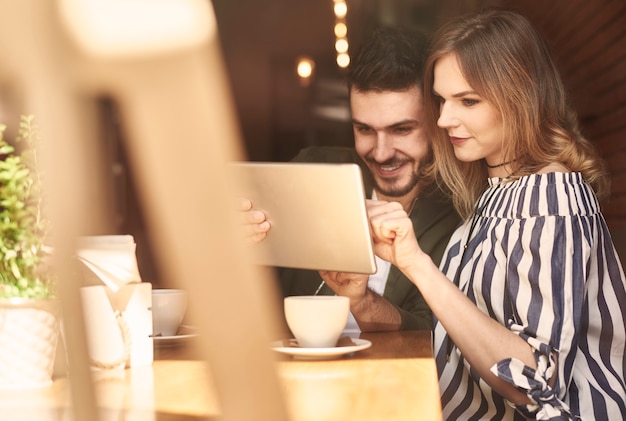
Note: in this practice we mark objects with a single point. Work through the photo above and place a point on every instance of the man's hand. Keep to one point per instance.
(255, 222)
(371, 311)
(351, 285)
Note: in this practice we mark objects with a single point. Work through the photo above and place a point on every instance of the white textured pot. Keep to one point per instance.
(29, 334)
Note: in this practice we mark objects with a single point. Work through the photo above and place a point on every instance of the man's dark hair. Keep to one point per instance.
(390, 60)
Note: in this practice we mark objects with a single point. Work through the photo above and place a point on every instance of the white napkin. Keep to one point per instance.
(111, 258)
(118, 315)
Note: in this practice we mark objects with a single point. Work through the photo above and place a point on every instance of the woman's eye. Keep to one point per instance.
(469, 102)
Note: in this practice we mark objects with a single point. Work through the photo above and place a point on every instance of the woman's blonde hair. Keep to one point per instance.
(506, 61)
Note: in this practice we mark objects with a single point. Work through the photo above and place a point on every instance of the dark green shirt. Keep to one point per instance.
(434, 220)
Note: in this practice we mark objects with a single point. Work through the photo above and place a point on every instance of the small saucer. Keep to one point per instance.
(184, 332)
(319, 353)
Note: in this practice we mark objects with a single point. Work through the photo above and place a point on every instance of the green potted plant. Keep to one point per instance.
(29, 312)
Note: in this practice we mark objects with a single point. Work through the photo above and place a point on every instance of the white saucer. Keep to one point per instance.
(175, 338)
(185, 332)
(320, 353)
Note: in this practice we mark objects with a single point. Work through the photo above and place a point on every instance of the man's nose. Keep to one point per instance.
(383, 150)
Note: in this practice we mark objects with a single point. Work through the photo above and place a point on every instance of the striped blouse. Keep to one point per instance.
(540, 260)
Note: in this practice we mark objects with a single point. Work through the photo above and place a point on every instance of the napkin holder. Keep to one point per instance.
(116, 303)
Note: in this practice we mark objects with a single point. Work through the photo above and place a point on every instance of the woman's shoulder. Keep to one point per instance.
(555, 173)
(555, 191)
(554, 167)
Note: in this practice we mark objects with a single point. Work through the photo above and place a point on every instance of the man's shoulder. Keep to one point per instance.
(435, 206)
(327, 154)
(433, 194)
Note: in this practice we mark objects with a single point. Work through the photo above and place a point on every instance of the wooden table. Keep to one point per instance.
(395, 380)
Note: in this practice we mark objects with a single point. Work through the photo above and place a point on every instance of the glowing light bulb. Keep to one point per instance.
(341, 30)
(343, 60)
(340, 8)
(341, 45)
(305, 67)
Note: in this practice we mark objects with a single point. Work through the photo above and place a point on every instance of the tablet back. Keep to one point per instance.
(318, 215)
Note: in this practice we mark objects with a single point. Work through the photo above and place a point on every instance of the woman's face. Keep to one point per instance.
(474, 126)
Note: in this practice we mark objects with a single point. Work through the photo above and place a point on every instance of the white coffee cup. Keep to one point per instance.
(317, 320)
(168, 310)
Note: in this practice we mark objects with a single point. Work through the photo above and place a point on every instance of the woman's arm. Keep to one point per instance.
(483, 341)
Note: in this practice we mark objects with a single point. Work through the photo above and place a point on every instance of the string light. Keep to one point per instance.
(341, 45)
(343, 60)
(341, 30)
(340, 8)
(305, 66)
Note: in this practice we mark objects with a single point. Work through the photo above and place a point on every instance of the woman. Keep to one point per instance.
(530, 299)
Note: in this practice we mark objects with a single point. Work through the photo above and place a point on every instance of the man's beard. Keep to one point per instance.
(400, 191)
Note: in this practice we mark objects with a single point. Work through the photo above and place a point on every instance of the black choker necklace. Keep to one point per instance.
(502, 164)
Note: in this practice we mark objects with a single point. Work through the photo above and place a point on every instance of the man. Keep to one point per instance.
(385, 86)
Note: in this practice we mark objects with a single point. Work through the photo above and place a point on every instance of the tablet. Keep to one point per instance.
(317, 212)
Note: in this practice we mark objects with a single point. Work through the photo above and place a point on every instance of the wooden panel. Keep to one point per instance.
(610, 143)
(615, 162)
(607, 124)
(618, 186)
(603, 30)
(588, 38)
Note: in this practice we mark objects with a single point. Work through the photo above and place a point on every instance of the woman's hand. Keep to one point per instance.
(393, 233)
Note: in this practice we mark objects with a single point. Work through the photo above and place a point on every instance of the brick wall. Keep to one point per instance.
(588, 39)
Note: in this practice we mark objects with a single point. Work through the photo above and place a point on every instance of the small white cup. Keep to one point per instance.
(317, 320)
(168, 310)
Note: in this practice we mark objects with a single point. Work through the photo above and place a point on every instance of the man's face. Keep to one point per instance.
(389, 136)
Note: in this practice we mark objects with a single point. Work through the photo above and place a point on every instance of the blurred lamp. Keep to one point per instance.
(341, 45)
(341, 30)
(340, 8)
(304, 68)
(343, 60)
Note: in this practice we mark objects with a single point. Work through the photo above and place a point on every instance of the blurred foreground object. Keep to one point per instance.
(29, 310)
(118, 320)
(161, 64)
